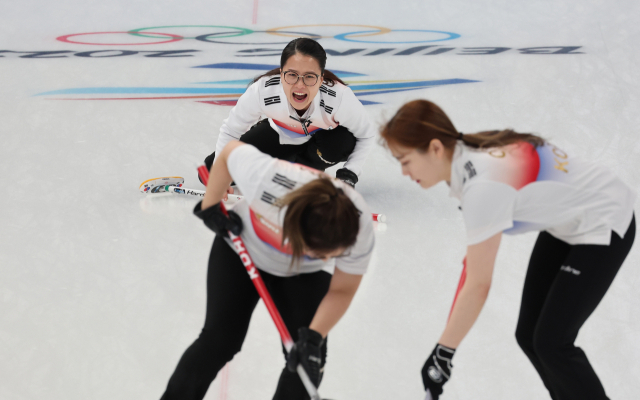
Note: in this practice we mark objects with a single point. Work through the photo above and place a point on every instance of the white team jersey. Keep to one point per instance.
(262, 180)
(520, 188)
(332, 106)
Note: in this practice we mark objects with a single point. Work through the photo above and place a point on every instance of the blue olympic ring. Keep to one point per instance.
(343, 36)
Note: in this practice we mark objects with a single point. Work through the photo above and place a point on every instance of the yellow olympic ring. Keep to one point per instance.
(382, 30)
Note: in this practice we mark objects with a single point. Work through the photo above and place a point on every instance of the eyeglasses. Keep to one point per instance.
(292, 78)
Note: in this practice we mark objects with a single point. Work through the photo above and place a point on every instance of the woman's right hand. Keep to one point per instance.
(217, 221)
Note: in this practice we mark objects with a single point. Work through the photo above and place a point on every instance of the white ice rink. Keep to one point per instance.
(102, 288)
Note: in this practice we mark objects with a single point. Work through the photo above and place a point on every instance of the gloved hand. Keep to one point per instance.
(215, 219)
(437, 370)
(308, 352)
(347, 176)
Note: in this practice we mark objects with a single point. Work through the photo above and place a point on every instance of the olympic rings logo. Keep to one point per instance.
(225, 34)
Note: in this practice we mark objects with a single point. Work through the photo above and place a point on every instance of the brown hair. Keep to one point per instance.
(319, 217)
(307, 47)
(418, 122)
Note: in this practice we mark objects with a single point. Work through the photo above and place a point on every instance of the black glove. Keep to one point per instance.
(215, 219)
(308, 352)
(208, 162)
(437, 370)
(347, 176)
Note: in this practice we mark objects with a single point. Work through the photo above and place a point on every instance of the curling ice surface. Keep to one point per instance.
(103, 284)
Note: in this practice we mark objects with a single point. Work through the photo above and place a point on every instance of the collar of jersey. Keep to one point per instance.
(307, 114)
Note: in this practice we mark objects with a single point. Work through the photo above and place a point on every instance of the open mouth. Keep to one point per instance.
(299, 97)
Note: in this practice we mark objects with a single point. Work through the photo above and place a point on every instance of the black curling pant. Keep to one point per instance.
(231, 299)
(564, 285)
(324, 149)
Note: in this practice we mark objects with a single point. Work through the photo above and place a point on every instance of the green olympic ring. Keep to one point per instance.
(243, 31)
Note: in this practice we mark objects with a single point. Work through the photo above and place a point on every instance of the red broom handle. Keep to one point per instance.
(463, 277)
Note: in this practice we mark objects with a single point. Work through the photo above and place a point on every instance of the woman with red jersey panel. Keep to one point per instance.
(303, 113)
(510, 183)
(311, 237)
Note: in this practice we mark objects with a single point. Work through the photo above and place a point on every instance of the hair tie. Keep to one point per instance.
(338, 192)
(460, 135)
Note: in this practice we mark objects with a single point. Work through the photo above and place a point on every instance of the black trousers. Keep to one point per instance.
(564, 285)
(231, 299)
(324, 149)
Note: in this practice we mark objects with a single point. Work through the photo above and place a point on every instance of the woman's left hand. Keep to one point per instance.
(437, 370)
(308, 352)
(347, 176)
(217, 221)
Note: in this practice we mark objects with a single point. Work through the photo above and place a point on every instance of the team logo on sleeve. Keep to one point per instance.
(284, 181)
(326, 108)
(271, 100)
(268, 198)
(471, 171)
(272, 82)
(328, 91)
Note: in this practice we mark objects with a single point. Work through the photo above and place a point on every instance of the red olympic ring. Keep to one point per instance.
(65, 38)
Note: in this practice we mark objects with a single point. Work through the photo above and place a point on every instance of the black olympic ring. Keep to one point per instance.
(205, 38)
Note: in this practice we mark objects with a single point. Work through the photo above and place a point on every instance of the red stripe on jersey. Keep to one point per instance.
(296, 129)
(529, 164)
(268, 232)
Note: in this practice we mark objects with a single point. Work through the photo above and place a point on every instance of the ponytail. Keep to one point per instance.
(319, 217)
(489, 139)
(330, 79)
(418, 122)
